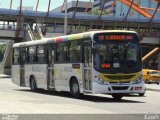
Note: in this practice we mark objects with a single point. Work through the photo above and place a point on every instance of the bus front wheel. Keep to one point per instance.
(74, 86)
(141, 94)
(33, 84)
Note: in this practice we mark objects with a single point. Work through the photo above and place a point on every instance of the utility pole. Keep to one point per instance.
(65, 19)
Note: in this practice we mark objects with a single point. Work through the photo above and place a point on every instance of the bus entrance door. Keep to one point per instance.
(50, 82)
(87, 66)
(22, 70)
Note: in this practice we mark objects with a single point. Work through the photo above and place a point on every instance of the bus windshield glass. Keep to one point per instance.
(118, 53)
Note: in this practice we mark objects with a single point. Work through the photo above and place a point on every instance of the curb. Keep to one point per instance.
(149, 89)
(5, 76)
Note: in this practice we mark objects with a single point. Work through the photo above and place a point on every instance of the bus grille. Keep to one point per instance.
(119, 88)
(119, 82)
(120, 77)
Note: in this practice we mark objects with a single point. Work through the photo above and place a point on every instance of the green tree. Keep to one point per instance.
(98, 12)
(2, 50)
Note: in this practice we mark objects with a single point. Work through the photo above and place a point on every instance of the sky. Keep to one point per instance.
(43, 4)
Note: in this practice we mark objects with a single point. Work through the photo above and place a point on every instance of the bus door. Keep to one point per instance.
(50, 82)
(22, 69)
(87, 65)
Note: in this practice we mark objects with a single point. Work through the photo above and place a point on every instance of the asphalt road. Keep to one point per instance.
(20, 100)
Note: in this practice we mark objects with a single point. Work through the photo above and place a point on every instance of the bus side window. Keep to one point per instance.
(60, 55)
(32, 54)
(74, 51)
(35, 58)
(40, 54)
(16, 56)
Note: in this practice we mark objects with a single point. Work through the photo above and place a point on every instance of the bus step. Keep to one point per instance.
(51, 88)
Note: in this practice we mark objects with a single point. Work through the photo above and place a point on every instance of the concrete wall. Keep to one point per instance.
(53, 35)
(148, 40)
(11, 34)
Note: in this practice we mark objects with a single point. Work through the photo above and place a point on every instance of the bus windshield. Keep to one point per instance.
(117, 57)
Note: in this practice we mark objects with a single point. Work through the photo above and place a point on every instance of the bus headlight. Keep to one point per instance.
(138, 80)
(101, 81)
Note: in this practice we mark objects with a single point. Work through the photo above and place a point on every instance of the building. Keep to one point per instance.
(82, 5)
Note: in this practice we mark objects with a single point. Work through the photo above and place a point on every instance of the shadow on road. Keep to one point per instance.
(91, 98)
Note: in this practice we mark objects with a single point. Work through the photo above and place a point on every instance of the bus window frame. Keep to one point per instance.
(36, 54)
(68, 61)
(13, 55)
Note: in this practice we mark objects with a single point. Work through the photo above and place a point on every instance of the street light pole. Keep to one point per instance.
(65, 20)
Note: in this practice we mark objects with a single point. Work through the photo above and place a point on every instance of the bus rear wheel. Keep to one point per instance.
(74, 86)
(33, 85)
(117, 97)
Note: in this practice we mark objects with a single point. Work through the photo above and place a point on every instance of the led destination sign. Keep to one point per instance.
(115, 37)
(103, 37)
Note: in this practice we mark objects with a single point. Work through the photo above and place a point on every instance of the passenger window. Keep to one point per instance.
(32, 54)
(74, 51)
(16, 57)
(40, 54)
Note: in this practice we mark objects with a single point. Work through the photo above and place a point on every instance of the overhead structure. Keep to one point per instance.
(128, 10)
(47, 15)
(157, 49)
(89, 3)
(37, 5)
(10, 4)
(63, 5)
(151, 54)
(137, 8)
(73, 17)
(19, 20)
(149, 26)
(113, 4)
(37, 10)
(101, 12)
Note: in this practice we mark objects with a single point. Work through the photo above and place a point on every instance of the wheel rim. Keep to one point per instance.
(75, 88)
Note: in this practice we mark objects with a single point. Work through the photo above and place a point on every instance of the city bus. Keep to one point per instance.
(95, 62)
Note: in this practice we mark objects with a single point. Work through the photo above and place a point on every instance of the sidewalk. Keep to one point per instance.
(4, 76)
(153, 87)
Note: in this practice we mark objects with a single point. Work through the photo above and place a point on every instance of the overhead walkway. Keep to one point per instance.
(27, 34)
(9, 31)
(82, 16)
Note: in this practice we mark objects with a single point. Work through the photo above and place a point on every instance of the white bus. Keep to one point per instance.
(92, 62)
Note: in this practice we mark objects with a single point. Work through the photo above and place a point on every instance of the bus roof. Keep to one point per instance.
(68, 37)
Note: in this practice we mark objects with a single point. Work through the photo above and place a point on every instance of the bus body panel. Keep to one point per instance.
(63, 74)
(16, 74)
(39, 72)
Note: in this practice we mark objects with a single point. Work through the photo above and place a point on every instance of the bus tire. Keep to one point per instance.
(141, 94)
(33, 84)
(74, 88)
(117, 97)
(146, 81)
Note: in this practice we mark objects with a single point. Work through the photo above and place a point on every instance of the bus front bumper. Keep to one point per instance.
(118, 88)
